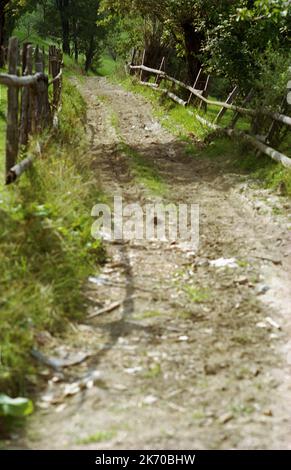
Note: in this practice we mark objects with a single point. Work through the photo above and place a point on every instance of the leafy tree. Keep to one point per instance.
(240, 42)
(186, 20)
(10, 11)
(63, 8)
(89, 31)
(3, 6)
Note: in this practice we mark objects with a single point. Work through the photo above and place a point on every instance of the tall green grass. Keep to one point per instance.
(46, 249)
(232, 154)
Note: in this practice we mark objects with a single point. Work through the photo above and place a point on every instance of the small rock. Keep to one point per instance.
(72, 389)
(211, 369)
(255, 371)
(98, 281)
(243, 280)
(273, 323)
(262, 289)
(150, 400)
(224, 263)
(133, 370)
(202, 262)
(261, 324)
(184, 338)
(274, 336)
(60, 408)
(225, 418)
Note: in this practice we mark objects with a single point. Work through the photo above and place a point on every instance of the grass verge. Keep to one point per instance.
(235, 155)
(46, 248)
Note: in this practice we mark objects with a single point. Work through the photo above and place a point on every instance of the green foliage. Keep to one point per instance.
(100, 436)
(144, 171)
(123, 34)
(239, 42)
(232, 153)
(196, 295)
(15, 407)
(46, 248)
(271, 83)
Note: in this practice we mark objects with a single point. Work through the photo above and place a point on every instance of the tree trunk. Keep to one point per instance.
(2, 26)
(90, 52)
(66, 33)
(76, 46)
(193, 43)
(62, 6)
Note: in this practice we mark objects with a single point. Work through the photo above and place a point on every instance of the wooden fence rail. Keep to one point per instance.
(29, 110)
(256, 141)
(199, 94)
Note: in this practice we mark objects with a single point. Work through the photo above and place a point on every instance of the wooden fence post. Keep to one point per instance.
(158, 77)
(38, 60)
(132, 60)
(143, 59)
(12, 113)
(24, 55)
(237, 115)
(43, 59)
(229, 100)
(38, 89)
(194, 86)
(43, 114)
(273, 135)
(205, 94)
(25, 120)
(2, 56)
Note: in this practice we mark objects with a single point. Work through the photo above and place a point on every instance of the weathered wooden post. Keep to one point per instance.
(43, 114)
(158, 77)
(25, 120)
(49, 60)
(230, 99)
(205, 94)
(37, 89)
(24, 55)
(195, 85)
(54, 65)
(12, 112)
(142, 63)
(237, 115)
(132, 60)
(274, 133)
(43, 59)
(2, 56)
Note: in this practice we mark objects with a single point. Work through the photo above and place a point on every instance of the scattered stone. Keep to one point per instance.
(72, 389)
(224, 263)
(262, 289)
(202, 262)
(61, 408)
(98, 281)
(184, 338)
(273, 336)
(273, 323)
(133, 370)
(150, 400)
(243, 280)
(261, 324)
(225, 418)
(211, 369)
(255, 371)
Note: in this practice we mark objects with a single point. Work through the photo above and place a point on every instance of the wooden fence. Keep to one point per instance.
(29, 108)
(261, 143)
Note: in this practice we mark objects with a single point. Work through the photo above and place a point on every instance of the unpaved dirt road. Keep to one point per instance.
(195, 357)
